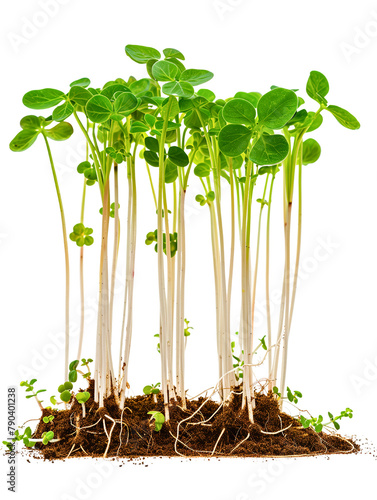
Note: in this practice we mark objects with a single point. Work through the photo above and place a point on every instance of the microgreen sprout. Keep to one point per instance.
(82, 398)
(112, 210)
(25, 437)
(47, 436)
(235, 147)
(81, 235)
(158, 418)
(318, 424)
(152, 389)
(30, 388)
(293, 396)
(85, 362)
(65, 391)
(48, 419)
(187, 328)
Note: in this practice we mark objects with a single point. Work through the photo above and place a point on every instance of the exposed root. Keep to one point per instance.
(71, 450)
(239, 444)
(108, 435)
(277, 432)
(218, 440)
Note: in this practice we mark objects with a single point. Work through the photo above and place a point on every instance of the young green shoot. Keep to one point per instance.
(158, 418)
(34, 394)
(82, 398)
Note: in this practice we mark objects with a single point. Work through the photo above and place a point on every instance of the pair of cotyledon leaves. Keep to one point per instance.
(275, 110)
(32, 126)
(175, 157)
(115, 102)
(180, 81)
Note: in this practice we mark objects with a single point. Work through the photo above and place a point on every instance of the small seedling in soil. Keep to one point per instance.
(85, 362)
(47, 436)
(30, 388)
(82, 398)
(291, 396)
(65, 391)
(158, 418)
(317, 423)
(25, 437)
(48, 419)
(73, 371)
(152, 389)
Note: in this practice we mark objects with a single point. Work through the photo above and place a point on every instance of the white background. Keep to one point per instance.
(333, 356)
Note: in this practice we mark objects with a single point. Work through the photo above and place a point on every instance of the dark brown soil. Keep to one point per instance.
(215, 430)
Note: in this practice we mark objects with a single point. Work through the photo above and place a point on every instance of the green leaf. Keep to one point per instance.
(317, 122)
(138, 126)
(65, 396)
(178, 156)
(68, 386)
(196, 76)
(60, 132)
(171, 106)
(318, 427)
(252, 97)
(171, 172)
(99, 109)
(147, 389)
(62, 112)
(84, 165)
(317, 87)
(32, 382)
(43, 99)
(151, 158)
(180, 89)
(124, 105)
(239, 111)
(88, 240)
(30, 122)
(61, 388)
(140, 87)
(173, 53)
(234, 139)
(24, 140)
(207, 94)
(269, 150)
(344, 117)
(79, 95)
(164, 71)
(311, 151)
(277, 107)
(336, 425)
(150, 64)
(112, 89)
(72, 376)
(74, 364)
(150, 119)
(82, 82)
(202, 170)
(152, 144)
(142, 54)
(82, 397)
